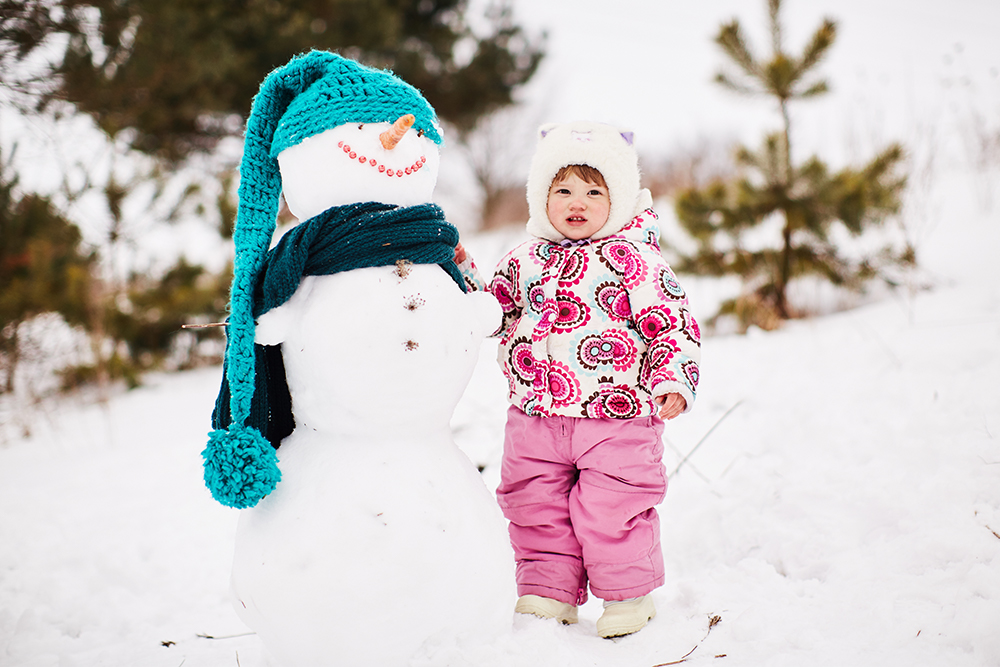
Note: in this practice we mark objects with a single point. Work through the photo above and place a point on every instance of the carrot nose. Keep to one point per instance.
(392, 136)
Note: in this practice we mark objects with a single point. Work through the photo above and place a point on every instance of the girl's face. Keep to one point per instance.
(576, 208)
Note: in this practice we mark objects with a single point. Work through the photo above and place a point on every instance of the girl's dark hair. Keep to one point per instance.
(583, 171)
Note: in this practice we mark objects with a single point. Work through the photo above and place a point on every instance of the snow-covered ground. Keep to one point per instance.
(842, 509)
(842, 502)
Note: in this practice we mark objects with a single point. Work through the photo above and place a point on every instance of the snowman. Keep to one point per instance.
(367, 537)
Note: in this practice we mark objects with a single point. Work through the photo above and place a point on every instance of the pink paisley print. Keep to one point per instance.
(549, 256)
(571, 312)
(521, 362)
(692, 373)
(531, 406)
(668, 287)
(535, 293)
(563, 384)
(573, 270)
(612, 298)
(540, 382)
(503, 288)
(550, 313)
(654, 321)
(658, 356)
(612, 402)
(689, 326)
(610, 347)
(623, 258)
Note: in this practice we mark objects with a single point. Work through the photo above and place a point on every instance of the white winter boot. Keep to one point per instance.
(625, 617)
(563, 612)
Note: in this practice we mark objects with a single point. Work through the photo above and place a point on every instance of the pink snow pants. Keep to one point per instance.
(580, 495)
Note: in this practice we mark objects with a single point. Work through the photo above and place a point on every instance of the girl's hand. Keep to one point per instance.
(459, 254)
(671, 405)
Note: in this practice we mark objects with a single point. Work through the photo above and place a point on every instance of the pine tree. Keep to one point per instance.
(42, 268)
(810, 201)
(181, 74)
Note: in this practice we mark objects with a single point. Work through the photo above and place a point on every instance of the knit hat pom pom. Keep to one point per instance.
(241, 466)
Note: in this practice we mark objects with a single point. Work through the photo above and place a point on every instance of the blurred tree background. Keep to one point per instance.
(167, 82)
(169, 85)
(810, 204)
(43, 268)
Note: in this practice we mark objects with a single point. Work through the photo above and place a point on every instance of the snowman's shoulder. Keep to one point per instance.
(274, 326)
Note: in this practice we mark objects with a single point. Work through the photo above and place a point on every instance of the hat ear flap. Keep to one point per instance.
(545, 129)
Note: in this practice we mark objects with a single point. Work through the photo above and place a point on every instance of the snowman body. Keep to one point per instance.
(381, 540)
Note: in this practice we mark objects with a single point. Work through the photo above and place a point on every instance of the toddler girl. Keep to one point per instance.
(597, 345)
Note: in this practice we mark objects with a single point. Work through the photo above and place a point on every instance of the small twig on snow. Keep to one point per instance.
(712, 622)
(244, 634)
(683, 658)
(705, 437)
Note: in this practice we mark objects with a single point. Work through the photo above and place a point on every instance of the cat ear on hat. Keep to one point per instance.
(545, 129)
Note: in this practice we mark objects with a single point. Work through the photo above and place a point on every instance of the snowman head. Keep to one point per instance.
(355, 134)
(385, 162)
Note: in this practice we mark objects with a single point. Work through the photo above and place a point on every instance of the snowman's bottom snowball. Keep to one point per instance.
(368, 552)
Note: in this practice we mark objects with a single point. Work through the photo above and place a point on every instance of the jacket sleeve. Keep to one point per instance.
(470, 274)
(663, 320)
(505, 287)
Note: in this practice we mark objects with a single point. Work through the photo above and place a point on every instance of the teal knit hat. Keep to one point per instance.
(349, 93)
(312, 93)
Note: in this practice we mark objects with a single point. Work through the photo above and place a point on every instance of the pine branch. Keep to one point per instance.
(743, 89)
(818, 88)
(773, 9)
(821, 42)
(735, 45)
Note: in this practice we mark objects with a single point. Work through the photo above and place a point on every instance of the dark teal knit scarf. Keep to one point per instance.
(339, 239)
(355, 237)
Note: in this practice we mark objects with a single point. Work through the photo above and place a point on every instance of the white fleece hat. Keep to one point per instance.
(603, 147)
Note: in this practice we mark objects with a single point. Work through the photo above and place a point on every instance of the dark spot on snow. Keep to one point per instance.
(414, 302)
(403, 267)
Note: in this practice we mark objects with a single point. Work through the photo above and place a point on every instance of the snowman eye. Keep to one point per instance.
(360, 125)
(420, 133)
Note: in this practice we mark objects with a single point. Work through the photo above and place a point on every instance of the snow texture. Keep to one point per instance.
(845, 512)
(836, 499)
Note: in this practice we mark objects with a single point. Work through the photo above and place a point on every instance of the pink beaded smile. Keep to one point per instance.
(412, 169)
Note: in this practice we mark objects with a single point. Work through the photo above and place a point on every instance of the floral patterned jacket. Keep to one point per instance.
(596, 329)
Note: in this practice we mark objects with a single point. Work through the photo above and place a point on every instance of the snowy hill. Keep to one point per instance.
(845, 512)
